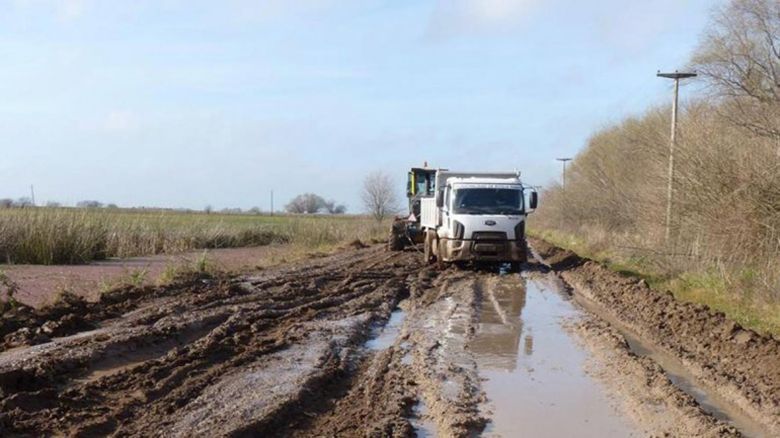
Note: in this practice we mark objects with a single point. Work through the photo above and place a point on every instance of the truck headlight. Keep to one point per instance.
(457, 230)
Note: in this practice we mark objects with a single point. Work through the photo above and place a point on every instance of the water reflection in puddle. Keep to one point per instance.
(385, 336)
(535, 379)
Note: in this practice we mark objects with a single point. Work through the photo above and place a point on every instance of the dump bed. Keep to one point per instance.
(430, 213)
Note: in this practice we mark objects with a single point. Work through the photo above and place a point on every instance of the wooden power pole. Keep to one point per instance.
(672, 143)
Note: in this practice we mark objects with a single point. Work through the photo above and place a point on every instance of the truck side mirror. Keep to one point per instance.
(440, 199)
(534, 200)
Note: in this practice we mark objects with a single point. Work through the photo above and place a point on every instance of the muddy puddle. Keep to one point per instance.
(683, 379)
(533, 369)
(385, 336)
(423, 426)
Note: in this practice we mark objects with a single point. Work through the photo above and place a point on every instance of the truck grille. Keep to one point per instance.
(488, 235)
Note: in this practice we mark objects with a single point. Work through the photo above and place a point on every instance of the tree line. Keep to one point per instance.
(24, 202)
(378, 196)
(309, 203)
(726, 196)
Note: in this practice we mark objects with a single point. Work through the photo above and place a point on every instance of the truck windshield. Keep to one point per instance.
(488, 201)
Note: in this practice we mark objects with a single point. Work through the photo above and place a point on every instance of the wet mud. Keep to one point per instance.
(533, 367)
(360, 343)
(208, 357)
(732, 371)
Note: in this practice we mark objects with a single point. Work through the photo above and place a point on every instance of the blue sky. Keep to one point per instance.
(188, 103)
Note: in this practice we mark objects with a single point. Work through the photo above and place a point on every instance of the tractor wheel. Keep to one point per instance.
(396, 240)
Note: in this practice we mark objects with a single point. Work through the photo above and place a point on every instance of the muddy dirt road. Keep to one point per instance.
(372, 343)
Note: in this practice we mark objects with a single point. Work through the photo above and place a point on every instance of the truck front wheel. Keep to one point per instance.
(430, 258)
(440, 248)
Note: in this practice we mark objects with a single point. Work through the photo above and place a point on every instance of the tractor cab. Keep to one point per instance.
(420, 184)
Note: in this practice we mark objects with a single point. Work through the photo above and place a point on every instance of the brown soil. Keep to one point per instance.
(738, 364)
(39, 285)
(639, 382)
(282, 333)
(280, 352)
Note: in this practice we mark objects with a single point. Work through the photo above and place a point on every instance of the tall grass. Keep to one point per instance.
(71, 235)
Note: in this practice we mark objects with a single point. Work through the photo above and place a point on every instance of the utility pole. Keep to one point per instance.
(563, 174)
(272, 202)
(672, 143)
(563, 186)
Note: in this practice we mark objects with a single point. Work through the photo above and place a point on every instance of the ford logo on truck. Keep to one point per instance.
(491, 223)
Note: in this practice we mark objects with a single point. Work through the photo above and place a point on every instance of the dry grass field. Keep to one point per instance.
(73, 235)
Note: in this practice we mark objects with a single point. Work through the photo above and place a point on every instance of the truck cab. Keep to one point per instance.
(477, 217)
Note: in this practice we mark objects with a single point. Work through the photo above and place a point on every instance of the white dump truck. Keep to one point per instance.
(468, 216)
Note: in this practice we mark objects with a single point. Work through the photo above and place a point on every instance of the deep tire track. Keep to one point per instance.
(278, 353)
(239, 325)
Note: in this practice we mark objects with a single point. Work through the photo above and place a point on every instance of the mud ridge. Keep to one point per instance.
(738, 364)
(639, 382)
(427, 364)
(178, 361)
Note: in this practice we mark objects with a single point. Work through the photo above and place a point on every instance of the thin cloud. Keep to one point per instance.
(637, 28)
(478, 17)
(62, 10)
(252, 10)
(120, 121)
(72, 9)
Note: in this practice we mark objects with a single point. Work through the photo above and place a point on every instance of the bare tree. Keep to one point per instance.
(739, 57)
(379, 195)
(208, 209)
(305, 203)
(23, 202)
(89, 204)
(332, 208)
(6, 203)
(295, 206)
